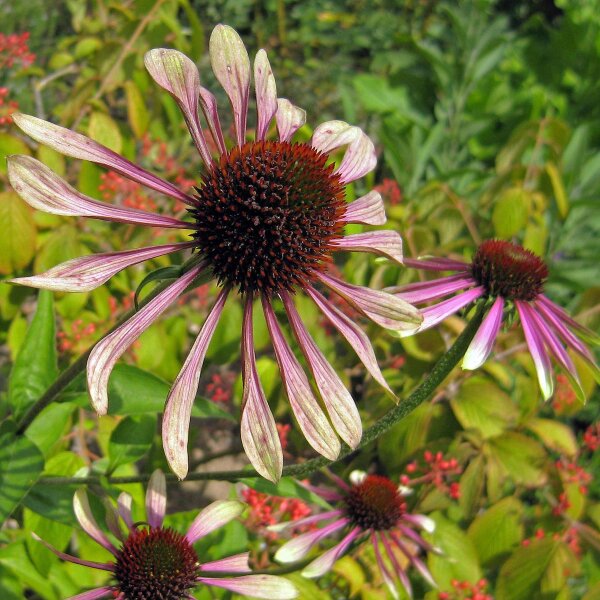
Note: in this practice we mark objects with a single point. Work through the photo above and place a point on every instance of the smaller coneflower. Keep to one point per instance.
(509, 278)
(152, 561)
(371, 508)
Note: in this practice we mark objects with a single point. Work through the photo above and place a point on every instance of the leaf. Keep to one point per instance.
(130, 440)
(17, 242)
(560, 195)
(510, 212)
(350, 570)
(11, 145)
(103, 129)
(554, 435)
(471, 486)
(50, 425)
(137, 113)
(521, 457)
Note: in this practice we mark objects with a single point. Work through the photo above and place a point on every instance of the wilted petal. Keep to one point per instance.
(426, 291)
(387, 577)
(178, 407)
(212, 517)
(325, 562)
(108, 350)
(266, 93)
(83, 513)
(306, 409)
(231, 66)
(76, 145)
(101, 592)
(382, 308)
(88, 272)
(44, 190)
(367, 210)
(436, 264)
(208, 103)
(384, 243)
(179, 76)
(256, 586)
(289, 119)
(156, 499)
(483, 342)
(74, 559)
(238, 563)
(400, 572)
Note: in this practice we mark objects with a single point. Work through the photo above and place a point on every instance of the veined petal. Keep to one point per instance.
(400, 572)
(436, 264)
(256, 586)
(536, 349)
(101, 592)
(179, 76)
(384, 243)
(124, 505)
(432, 290)
(208, 104)
(368, 210)
(74, 559)
(415, 560)
(83, 513)
(259, 432)
(312, 420)
(323, 564)
(156, 499)
(88, 272)
(108, 350)
(237, 563)
(266, 93)
(387, 577)
(561, 313)
(382, 308)
(231, 66)
(44, 190)
(483, 342)
(289, 119)
(112, 520)
(178, 407)
(278, 527)
(337, 399)
(76, 145)
(212, 517)
(354, 335)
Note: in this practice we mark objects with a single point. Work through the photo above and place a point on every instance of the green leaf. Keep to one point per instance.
(52, 159)
(521, 457)
(510, 212)
(50, 425)
(160, 274)
(130, 440)
(137, 113)
(558, 188)
(10, 144)
(104, 130)
(17, 242)
(471, 486)
(554, 435)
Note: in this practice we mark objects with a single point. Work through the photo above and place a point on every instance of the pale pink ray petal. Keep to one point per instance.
(258, 429)
(425, 285)
(367, 210)
(266, 94)
(73, 144)
(383, 243)
(124, 503)
(327, 494)
(101, 592)
(278, 527)
(179, 76)
(74, 559)
(384, 309)
(562, 314)
(112, 520)
(387, 577)
(88, 272)
(44, 190)
(156, 499)
(354, 335)
(83, 513)
(415, 560)
(437, 264)
(178, 407)
(325, 562)
(538, 353)
(208, 104)
(422, 521)
(483, 342)
(212, 517)
(108, 350)
(311, 418)
(256, 586)
(415, 537)
(432, 290)
(231, 66)
(337, 399)
(289, 119)
(339, 481)
(400, 572)
(237, 563)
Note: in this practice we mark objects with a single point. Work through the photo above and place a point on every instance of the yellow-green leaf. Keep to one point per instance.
(17, 242)
(10, 145)
(560, 195)
(104, 130)
(137, 113)
(510, 212)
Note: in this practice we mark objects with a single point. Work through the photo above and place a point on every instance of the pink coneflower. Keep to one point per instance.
(266, 218)
(372, 508)
(152, 561)
(507, 277)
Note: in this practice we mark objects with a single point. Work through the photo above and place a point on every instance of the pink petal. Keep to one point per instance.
(208, 104)
(231, 66)
(397, 566)
(337, 399)
(74, 559)
(327, 494)
(325, 562)
(178, 408)
(306, 409)
(112, 520)
(83, 513)
(425, 523)
(437, 264)
(102, 592)
(289, 119)
(108, 350)
(45, 190)
(387, 577)
(76, 145)
(384, 243)
(432, 290)
(178, 75)
(213, 517)
(256, 586)
(124, 505)
(238, 563)
(415, 560)
(368, 210)
(415, 537)
(88, 272)
(278, 527)
(483, 342)
(266, 94)
(156, 499)
(562, 314)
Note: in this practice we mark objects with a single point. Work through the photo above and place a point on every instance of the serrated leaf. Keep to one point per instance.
(17, 242)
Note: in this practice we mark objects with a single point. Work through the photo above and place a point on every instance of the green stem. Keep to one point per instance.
(434, 379)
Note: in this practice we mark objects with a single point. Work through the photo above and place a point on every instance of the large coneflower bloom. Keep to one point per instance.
(151, 561)
(507, 277)
(266, 218)
(372, 508)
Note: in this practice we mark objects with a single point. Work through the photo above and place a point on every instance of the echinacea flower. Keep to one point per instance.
(152, 561)
(371, 508)
(507, 277)
(266, 218)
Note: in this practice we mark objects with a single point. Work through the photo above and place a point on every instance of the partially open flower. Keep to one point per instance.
(508, 277)
(152, 561)
(265, 220)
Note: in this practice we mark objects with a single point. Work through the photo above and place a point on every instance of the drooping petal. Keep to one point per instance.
(237, 563)
(108, 350)
(337, 399)
(44, 190)
(367, 210)
(74, 559)
(208, 104)
(387, 577)
(101, 592)
(325, 562)
(278, 527)
(400, 572)
(258, 429)
(88, 272)
(289, 119)
(124, 505)
(483, 342)
(266, 93)
(329, 495)
(415, 560)
(538, 353)
(382, 308)
(311, 418)
(256, 586)
(76, 145)
(156, 499)
(179, 76)
(212, 517)
(178, 407)
(354, 335)
(384, 243)
(436, 264)
(231, 66)
(562, 314)
(422, 521)
(83, 513)
(112, 520)
(416, 538)
(426, 291)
